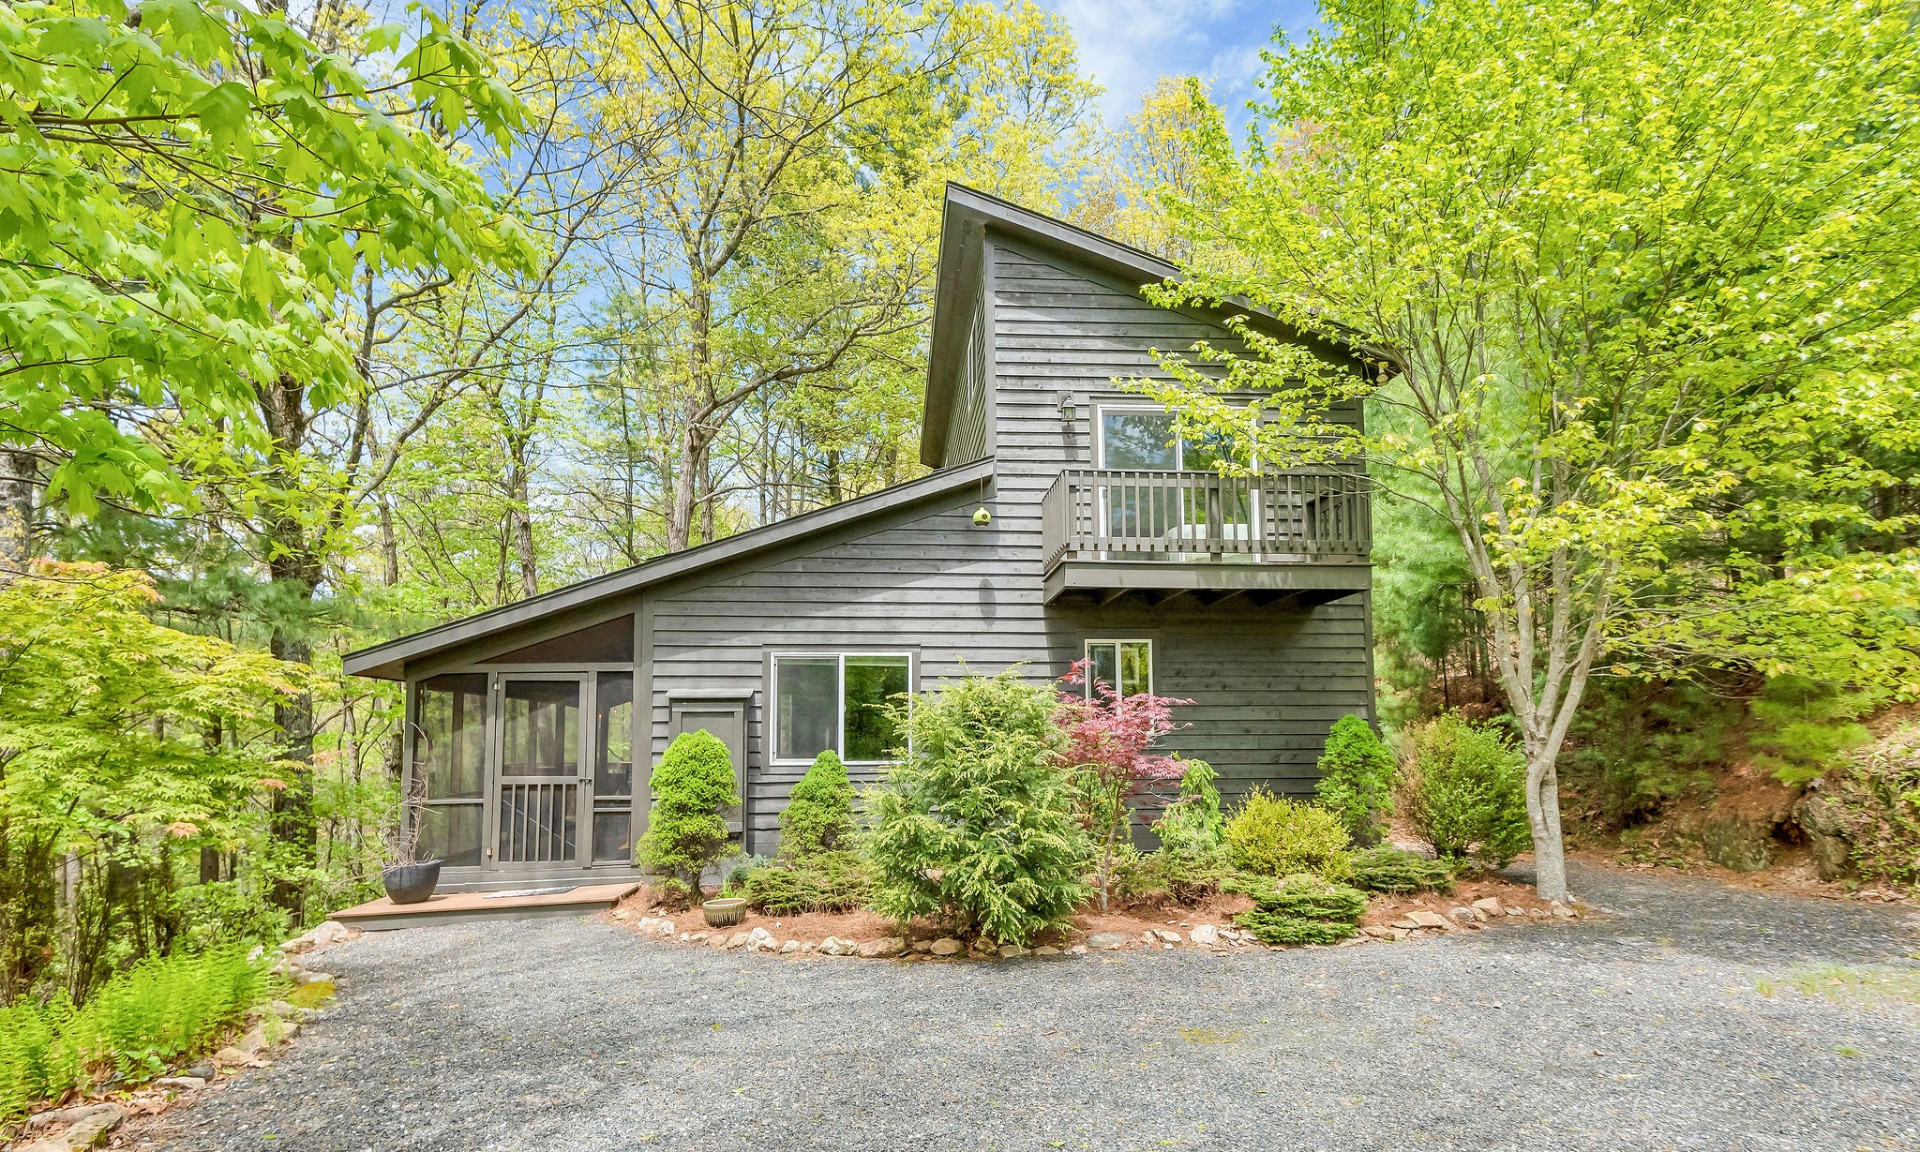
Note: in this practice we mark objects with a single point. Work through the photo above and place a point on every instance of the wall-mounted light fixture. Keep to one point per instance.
(1069, 411)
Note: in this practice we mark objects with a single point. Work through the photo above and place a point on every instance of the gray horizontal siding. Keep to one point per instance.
(1267, 681)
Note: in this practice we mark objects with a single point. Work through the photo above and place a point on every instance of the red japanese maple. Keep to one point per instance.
(1110, 749)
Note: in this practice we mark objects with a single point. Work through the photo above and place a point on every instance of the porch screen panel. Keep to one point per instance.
(449, 768)
(613, 769)
(542, 735)
(807, 708)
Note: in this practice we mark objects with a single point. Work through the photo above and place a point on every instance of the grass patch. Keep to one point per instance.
(1849, 985)
(311, 994)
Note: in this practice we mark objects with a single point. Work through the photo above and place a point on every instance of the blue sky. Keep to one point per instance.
(1128, 44)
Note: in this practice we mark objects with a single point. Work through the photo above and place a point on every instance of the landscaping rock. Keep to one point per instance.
(923, 945)
(834, 946)
(982, 946)
(1106, 941)
(1823, 819)
(1205, 935)
(307, 976)
(1165, 935)
(231, 1057)
(1489, 906)
(1046, 950)
(622, 914)
(1562, 912)
(1464, 915)
(1385, 932)
(90, 1130)
(1077, 950)
(945, 946)
(1010, 951)
(1422, 918)
(72, 1114)
(201, 1071)
(761, 940)
(1744, 845)
(180, 1083)
(790, 947)
(738, 940)
(885, 946)
(716, 941)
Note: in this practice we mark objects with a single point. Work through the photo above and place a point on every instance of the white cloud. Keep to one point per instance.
(1128, 44)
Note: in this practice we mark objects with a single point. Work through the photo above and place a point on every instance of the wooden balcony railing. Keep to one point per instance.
(1286, 517)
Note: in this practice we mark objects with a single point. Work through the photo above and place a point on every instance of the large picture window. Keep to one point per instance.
(837, 701)
(1125, 665)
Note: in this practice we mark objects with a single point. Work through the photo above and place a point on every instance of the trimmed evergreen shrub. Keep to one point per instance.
(692, 785)
(1183, 876)
(976, 825)
(1389, 869)
(1273, 836)
(1356, 779)
(1465, 791)
(819, 816)
(1303, 909)
(824, 882)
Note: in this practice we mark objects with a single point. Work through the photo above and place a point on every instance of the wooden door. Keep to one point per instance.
(726, 719)
(541, 771)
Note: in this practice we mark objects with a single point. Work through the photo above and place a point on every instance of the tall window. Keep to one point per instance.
(1135, 439)
(837, 701)
(1125, 665)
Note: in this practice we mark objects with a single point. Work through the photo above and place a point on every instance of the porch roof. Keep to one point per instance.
(388, 661)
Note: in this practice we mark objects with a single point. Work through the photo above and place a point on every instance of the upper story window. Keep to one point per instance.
(836, 700)
(1126, 665)
(1141, 438)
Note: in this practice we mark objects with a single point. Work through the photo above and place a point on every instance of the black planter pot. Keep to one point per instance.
(411, 883)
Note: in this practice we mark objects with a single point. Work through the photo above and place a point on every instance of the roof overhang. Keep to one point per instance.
(388, 661)
(970, 215)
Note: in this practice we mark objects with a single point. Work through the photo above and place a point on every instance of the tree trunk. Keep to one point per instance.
(1543, 817)
(292, 824)
(17, 476)
(519, 515)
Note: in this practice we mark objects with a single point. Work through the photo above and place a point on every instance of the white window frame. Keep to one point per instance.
(839, 700)
(1087, 653)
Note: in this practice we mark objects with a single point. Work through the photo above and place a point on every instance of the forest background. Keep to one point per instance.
(322, 325)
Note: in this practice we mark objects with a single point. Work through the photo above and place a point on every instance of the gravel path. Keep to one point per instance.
(1643, 1030)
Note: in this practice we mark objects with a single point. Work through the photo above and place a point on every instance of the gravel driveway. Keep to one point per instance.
(1642, 1030)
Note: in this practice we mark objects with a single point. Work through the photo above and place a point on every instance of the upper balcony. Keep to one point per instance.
(1303, 534)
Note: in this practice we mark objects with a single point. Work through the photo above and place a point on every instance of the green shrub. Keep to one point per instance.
(1303, 909)
(1356, 779)
(1389, 869)
(976, 824)
(819, 816)
(1636, 747)
(1273, 836)
(692, 785)
(1465, 791)
(1173, 875)
(1802, 730)
(825, 882)
(156, 1013)
(1193, 823)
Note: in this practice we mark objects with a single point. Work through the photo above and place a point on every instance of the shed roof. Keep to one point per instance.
(388, 661)
(969, 215)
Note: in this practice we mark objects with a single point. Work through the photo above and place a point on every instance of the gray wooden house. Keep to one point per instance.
(533, 727)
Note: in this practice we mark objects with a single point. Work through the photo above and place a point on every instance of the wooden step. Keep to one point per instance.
(466, 907)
